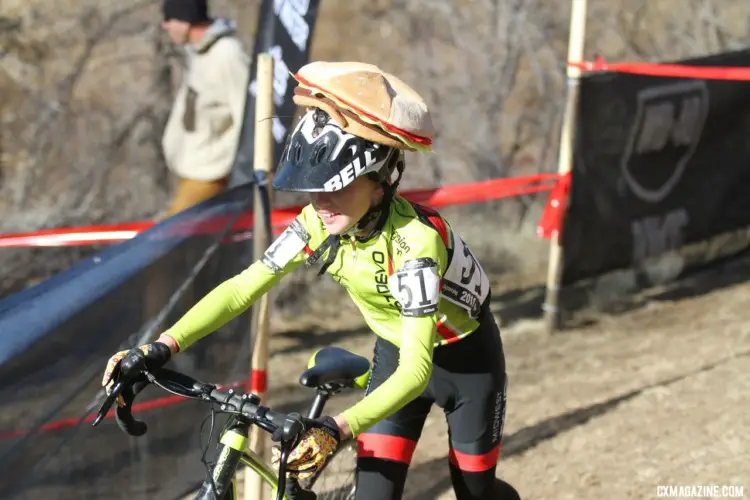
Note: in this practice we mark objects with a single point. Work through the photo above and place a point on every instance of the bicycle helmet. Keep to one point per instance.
(321, 156)
(359, 121)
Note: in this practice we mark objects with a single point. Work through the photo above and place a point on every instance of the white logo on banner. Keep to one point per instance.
(657, 234)
(280, 85)
(669, 121)
(291, 13)
(280, 75)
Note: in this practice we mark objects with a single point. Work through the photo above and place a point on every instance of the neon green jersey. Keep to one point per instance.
(416, 284)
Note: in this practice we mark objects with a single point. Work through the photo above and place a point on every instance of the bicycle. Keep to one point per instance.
(330, 370)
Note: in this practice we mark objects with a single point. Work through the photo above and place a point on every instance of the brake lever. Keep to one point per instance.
(292, 428)
(137, 362)
(286, 448)
(108, 402)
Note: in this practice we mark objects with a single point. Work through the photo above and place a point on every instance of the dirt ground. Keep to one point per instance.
(612, 408)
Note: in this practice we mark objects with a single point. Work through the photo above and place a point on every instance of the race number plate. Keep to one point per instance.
(286, 247)
(417, 287)
(464, 282)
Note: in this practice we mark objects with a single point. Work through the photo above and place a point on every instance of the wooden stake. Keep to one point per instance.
(576, 43)
(262, 161)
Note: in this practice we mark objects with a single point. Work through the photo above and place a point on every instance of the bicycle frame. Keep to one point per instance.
(233, 450)
(255, 463)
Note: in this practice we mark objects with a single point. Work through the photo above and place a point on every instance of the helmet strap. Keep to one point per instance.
(374, 219)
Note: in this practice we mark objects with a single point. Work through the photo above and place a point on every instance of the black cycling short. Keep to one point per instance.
(468, 381)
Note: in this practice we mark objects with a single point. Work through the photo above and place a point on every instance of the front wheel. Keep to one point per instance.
(337, 481)
(231, 494)
(206, 493)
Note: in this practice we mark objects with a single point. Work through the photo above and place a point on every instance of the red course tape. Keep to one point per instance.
(440, 197)
(137, 407)
(554, 211)
(549, 225)
(667, 70)
(448, 195)
(258, 381)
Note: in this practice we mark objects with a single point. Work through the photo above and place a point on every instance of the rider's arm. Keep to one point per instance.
(407, 382)
(418, 326)
(222, 304)
(236, 294)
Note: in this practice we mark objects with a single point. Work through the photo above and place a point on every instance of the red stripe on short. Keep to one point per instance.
(474, 463)
(383, 446)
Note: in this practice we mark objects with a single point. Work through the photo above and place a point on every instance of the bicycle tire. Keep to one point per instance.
(231, 493)
(238, 486)
(337, 481)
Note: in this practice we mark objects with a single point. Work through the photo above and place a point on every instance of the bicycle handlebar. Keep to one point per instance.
(291, 425)
(134, 376)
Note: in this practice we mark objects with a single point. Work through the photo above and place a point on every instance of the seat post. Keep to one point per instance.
(321, 397)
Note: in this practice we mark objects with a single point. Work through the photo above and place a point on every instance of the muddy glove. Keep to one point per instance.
(316, 445)
(157, 354)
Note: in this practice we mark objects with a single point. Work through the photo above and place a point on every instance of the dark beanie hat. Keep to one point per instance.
(190, 11)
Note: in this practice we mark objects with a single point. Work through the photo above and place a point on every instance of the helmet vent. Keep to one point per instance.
(318, 153)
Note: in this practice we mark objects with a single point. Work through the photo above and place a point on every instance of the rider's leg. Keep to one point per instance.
(386, 449)
(470, 385)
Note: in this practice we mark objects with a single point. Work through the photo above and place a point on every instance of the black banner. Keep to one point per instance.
(661, 177)
(285, 30)
(56, 337)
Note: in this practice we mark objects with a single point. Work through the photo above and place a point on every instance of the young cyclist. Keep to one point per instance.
(416, 282)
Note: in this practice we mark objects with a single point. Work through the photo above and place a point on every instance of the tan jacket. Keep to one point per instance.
(201, 136)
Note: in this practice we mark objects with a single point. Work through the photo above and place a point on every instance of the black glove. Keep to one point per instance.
(157, 354)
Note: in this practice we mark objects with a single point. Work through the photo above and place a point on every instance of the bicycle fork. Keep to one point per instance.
(231, 449)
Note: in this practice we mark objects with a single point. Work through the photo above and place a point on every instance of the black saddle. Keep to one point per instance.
(334, 365)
